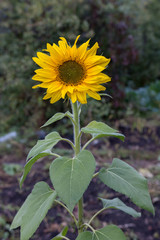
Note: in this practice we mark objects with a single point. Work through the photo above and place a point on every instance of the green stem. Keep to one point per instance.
(95, 215)
(77, 144)
(89, 226)
(95, 175)
(55, 155)
(87, 143)
(65, 238)
(76, 126)
(72, 215)
(93, 230)
(72, 120)
(70, 142)
(80, 214)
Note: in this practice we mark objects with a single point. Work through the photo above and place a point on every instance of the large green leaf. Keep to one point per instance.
(116, 203)
(99, 129)
(56, 117)
(34, 209)
(110, 232)
(41, 149)
(47, 144)
(86, 235)
(61, 235)
(71, 176)
(123, 178)
(30, 163)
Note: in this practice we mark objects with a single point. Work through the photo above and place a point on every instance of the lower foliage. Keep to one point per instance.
(70, 177)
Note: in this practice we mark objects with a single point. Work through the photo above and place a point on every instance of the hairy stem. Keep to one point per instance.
(89, 226)
(80, 214)
(87, 143)
(77, 144)
(70, 142)
(95, 215)
(72, 215)
(76, 126)
(65, 238)
(55, 155)
(95, 175)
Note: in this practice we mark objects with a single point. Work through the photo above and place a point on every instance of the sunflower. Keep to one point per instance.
(71, 71)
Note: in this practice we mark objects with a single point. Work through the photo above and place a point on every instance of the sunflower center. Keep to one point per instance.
(71, 72)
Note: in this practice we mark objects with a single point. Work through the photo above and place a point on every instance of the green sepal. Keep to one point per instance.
(34, 210)
(56, 117)
(110, 232)
(105, 95)
(116, 203)
(45, 145)
(61, 234)
(124, 179)
(71, 176)
(99, 129)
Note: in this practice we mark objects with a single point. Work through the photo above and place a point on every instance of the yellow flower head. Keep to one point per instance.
(71, 71)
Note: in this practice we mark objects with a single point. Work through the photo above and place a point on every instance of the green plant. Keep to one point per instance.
(146, 99)
(12, 168)
(70, 178)
(72, 175)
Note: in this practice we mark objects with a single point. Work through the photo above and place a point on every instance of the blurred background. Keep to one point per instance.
(128, 32)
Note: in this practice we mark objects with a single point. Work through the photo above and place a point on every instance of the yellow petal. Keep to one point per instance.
(82, 49)
(46, 73)
(42, 85)
(82, 97)
(94, 70)
(45, 58)
(93, 87)
(55, 97)
(93, 50)
(55, 86)
(62, 45)
(36, 86)
(48, 48)
(98, 79)
(97, 60)
(81, 87)
(40, 63)
(71, 88)
(73, 97)
(54, 55)
(47, 96)
(64, 40)
(57, 51)
(66, 53)
(76, 40)
(36, 77)
(73, 50)
(94, 95)
(64, 91)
